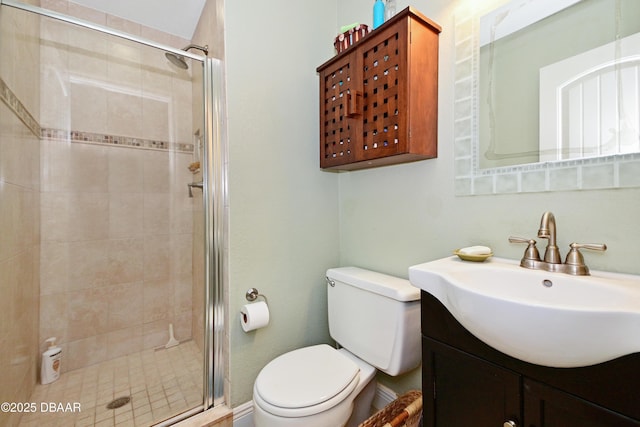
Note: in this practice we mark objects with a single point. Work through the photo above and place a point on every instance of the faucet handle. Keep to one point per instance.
(516, 239)
(592, 246)
(574, 257)
(531, 253)
(575, 261)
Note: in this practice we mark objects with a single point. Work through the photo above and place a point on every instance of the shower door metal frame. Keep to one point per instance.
(214, 196)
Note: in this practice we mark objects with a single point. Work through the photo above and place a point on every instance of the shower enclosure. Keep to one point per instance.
(112, 192)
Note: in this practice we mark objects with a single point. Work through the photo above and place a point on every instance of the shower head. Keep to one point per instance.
(179, 61)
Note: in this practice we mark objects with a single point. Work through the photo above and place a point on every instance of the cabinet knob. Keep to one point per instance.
(354, 104)
(509, 424)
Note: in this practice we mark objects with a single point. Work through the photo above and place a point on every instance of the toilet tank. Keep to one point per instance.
(376, 317)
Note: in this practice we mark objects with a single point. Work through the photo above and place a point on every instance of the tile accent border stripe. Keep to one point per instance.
(18, 108)
(104, 139)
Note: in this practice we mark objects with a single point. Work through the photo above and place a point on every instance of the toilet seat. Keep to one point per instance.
(283, 387)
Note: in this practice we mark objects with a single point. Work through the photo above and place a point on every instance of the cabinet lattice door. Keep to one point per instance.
(339, 131)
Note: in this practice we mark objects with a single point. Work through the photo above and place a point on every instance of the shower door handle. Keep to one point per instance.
(194, 184)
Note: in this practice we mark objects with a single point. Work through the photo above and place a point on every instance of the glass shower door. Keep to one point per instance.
(119, 134)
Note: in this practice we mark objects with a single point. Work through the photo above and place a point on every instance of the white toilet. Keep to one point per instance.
(375, 318)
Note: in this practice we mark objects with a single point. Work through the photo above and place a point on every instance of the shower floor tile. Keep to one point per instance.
(161, 384)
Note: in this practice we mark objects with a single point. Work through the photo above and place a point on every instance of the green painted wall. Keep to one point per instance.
(397, 216)
(283, 208)
(289, 221)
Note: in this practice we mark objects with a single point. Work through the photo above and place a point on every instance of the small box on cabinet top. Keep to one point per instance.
(350, 37)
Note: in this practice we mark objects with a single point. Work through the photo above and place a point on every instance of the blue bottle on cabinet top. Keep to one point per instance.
(378, 14)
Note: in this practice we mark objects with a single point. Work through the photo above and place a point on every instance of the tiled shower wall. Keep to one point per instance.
(19, 207)
(117, 221)
(116, 250)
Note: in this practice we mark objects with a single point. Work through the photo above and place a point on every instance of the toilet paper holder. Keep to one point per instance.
(253, 294)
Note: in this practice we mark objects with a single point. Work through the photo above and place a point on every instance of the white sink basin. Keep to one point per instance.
(576, 321)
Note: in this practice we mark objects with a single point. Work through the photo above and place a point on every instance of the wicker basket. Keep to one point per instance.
(405, 411)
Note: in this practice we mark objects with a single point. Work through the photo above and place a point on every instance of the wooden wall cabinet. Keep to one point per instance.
(467, 383)
(379, 98)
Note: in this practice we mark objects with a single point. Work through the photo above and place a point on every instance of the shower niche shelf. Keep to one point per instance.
(379, 98)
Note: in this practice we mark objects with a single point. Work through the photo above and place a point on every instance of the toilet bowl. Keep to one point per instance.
(315, 386)
(375, 318)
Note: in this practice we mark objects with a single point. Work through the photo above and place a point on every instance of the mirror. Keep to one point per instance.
(547, 96)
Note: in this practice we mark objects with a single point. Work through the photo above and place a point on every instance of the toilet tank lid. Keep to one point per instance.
(379, 283)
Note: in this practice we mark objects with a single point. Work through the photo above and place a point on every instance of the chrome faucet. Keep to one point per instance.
(574, 263)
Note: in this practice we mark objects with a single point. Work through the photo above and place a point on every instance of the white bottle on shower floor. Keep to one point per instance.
(50, 370)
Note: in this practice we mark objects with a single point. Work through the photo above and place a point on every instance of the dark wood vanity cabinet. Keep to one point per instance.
(467, 383)
(547, 406)
(462, 390)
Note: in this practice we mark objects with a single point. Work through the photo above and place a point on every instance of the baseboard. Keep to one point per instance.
(384, 395)
(243, 414)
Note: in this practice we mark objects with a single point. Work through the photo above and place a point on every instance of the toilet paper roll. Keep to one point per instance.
(254, 316)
